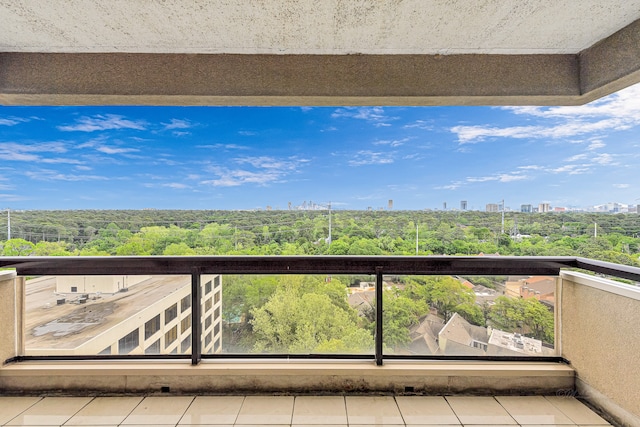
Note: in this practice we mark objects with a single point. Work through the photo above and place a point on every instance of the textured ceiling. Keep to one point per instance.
(311, 27)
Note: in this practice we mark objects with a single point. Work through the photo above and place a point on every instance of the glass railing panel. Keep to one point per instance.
(297, 314)
(469, 316)
(107, 315)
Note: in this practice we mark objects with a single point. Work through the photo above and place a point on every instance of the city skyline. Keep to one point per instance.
(354, 157)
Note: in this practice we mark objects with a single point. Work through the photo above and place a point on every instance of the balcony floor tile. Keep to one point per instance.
(300, 411)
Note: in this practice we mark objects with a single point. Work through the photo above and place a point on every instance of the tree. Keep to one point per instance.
(447, 295)
(399, 314)
(294, 322)
(18, 247)
(527, 316)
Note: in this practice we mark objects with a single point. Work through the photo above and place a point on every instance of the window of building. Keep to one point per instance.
(174, 351)
(185, 324)
(207, 322)
(207, 287)
(216, 329)
(185, 303)
(216, 297)
(171, 313)
(106, 351)
(216, 282)
(151, 327)
(170, 336)
(74, 289)
(216, 346)
(129, 342)
(153, 348)
(185, 344)
(208, 339)
(208, 304)
(216, 313)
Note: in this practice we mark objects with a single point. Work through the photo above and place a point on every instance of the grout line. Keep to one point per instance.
(452, 410)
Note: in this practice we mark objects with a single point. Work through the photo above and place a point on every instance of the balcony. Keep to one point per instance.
(595, 337)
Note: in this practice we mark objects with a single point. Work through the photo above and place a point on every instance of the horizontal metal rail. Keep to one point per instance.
(418, 265)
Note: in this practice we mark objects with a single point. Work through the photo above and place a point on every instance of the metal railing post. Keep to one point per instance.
(379, 311)
(196, 316)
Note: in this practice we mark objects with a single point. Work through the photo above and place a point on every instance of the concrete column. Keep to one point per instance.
(11, 315)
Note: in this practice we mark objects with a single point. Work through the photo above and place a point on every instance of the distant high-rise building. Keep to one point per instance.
(526, 208)
(544, 207)
(493, 207)
(390, 204)
(463, 205)
(444, 206)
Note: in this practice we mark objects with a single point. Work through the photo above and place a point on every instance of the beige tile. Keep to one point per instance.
(373, 410)
(159, 410)
(315, 425)
(479, 410)
(266, 410)
(533, 410)
(213, 410)
(105, 411)
(50, 411)
(11, 407)
(426, 410)
(376, 425)
(323, 410)
(577, 411)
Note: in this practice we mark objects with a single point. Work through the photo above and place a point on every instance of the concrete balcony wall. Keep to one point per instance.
(601, 339)
(11, 315)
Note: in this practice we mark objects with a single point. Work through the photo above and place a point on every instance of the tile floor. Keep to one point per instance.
(298, 411)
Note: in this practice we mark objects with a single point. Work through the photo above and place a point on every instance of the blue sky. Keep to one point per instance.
(355, 158)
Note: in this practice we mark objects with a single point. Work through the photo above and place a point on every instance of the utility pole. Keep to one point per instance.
(502, 232)
(329, 239)
(417, 225)
(595, 229)
(8, 224)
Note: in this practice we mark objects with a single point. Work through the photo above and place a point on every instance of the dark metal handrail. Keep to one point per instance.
(195, 266)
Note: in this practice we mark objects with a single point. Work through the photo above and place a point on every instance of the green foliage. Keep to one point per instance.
(294, 321)
(527, 316)
(126, 232)
(18, 247)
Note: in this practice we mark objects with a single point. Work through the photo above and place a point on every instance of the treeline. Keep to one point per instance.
(609, 237)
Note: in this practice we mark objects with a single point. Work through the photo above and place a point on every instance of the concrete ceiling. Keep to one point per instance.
(322, 52)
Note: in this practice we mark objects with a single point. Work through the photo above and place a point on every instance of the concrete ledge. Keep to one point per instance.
(278, 376)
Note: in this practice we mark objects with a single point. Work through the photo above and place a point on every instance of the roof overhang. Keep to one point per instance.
(299, 52)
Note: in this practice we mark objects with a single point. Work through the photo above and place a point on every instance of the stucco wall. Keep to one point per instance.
(11, 314)
(601, 338)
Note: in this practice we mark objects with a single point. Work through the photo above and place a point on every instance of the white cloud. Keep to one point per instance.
(375, 115)
(572, 169)
(115, 150)
(12, 121)
(594, 145)
(393, 142)
(104, 122)
(177, 124)
(11, 151)
(621, 185)
(261, 171)
(419, 124)
(616, 112)
(52, 175)
(247, 133)
(223, 147)
(366, 157)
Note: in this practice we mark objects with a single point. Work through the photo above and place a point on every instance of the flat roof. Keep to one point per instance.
(67, 326)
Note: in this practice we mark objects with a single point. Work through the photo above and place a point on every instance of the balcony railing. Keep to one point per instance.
(594, 344)
(201, 326)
